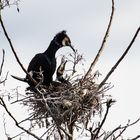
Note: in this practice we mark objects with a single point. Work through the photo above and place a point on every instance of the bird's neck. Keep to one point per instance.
(52, 49)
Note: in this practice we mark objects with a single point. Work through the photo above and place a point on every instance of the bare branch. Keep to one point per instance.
(136, 137)
(103, 43)
(125, 127)
(122, 128)
(1, 67)
(4, 79)
(120, 59)
(4, 125)
(3, 52)
(97, 130)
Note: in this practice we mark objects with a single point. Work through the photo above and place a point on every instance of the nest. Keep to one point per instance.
(74, 102)
(65, 104)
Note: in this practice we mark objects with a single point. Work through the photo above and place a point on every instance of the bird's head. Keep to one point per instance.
(63, 39)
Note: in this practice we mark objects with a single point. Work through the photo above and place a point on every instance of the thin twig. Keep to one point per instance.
(122, 127)
(5, 78)
(4, 125)
(126, 126)
(17, 135)
(102, 45)
(47, 131)
(3, 52)
(136, 137)
(27, 119)
(108, 104)
(120, 59)
(113, 131)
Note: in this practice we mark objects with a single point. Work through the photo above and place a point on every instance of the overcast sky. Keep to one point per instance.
(32, 29)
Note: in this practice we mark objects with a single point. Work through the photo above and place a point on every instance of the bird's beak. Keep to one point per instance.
(71, 46)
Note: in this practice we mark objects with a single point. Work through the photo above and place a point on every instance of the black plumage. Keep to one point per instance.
(45, 62)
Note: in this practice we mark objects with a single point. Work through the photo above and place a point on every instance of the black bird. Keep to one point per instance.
(45, 63)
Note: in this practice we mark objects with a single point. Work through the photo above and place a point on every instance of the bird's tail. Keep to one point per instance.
(19, 78)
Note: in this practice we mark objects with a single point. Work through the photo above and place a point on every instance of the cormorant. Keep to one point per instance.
(45, 63)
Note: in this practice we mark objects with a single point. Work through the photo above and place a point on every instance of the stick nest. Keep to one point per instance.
(66, 103)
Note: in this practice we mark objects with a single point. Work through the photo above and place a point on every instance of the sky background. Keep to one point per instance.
(32, 29)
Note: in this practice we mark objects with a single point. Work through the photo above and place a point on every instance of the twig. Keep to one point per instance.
(3, 52)
(27, 119)
(4, 79)
(102, 45)
(113, 131)
(47, 131)
(120, 59)
(17, 135)
(136, 137)
(122, 127)
(16, 123)
(4, 125)
(126, 126)
(108, 104)
(19, 100)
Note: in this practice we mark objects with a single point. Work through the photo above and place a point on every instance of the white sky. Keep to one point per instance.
(34, 26)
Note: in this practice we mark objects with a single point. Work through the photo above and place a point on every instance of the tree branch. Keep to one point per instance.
(120, 59)
(136, 137)
(123, 128)
(97, 130)
(102, 45)
(3, 52)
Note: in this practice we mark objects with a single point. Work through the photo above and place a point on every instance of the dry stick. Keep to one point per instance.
(13, 50)
(126, 126)
(108, 104)
(2, 62)
(1, 67)
(17, 135)
(122, 127)
(4, 125)
(16, 123)
(4, 79)
(121, 58)
(136, 137)
(102, 45)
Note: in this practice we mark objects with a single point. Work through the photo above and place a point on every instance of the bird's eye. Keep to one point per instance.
(66, 42)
